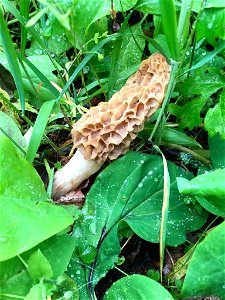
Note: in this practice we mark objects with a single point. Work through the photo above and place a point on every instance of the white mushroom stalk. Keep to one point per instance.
(106, 130)
(73, 174)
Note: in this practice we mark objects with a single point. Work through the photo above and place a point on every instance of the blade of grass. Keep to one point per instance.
(24, 11)
(38, 130)
(165, 208)
(50, 172)
(169, 24)
(184, 22)
(12, 59)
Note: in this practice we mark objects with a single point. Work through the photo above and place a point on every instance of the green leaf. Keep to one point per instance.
(210, 207)
(20, 184)
(173, 136)
(130, 52)
(148, 6)
(210, 25)
(131, 190)
(37, 292)
(55, 35)
(215, 118)
(217, 151)
(66, 289)
(204, 81)
(39, 267)
(189, 114)
(209, 185)
(42, 92)
(87, 253)
(19, 179)
(206, 273)
(10, 128)
(210, 3)
(137, 287)
(57, 250)
(42, 221)
(94, 10)
(18, 285)
(170, 136)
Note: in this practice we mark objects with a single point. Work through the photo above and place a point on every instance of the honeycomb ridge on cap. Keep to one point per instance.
(106, 130)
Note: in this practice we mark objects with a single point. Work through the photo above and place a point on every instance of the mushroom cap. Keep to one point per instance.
(106, 130)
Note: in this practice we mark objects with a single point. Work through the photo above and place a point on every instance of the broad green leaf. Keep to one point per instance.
(209, 185)
(217, 151)
(131, 50)
(215, 118)
(18, 285)
(66, 289)
(95, 9)
(37, 292)
(20, 184)
(210, 3)
(41, 93)
(137, 287)
(19, 180)
(210, 207)
(55, 35)
(204, 81)
(19, 234)
(206, 273)
(131, 190)
(57, 250)
(210, 25)
(96, 32)
(189, 114)
(9, 127)
(173, 136)
(87, 253)
(148, 6)
(38, 266)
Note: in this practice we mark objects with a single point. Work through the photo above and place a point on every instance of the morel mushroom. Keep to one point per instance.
(106, 130)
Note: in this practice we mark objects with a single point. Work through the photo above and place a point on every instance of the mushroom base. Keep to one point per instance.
(73, 174)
